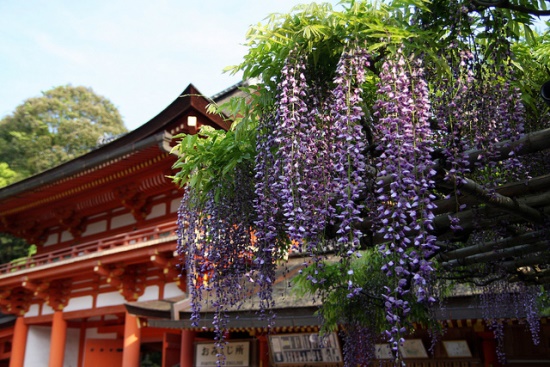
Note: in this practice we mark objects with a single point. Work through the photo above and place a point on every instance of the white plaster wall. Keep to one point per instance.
(122, 220)
(109, 299)
(95, 227)
(47, 310)
(157, 211)
(52, 240)
(91, 333)
(174, 205)
(172, 290)
(80, 303)
(34, 310)
(151, 293)
(37, 352)
(66, 236)
(71, 348)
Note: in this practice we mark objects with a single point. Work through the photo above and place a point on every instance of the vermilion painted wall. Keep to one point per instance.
(103, 353)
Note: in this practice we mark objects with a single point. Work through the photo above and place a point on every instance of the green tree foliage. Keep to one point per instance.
(12, 247)
(7, 175)
(43, 132)
(62, 124)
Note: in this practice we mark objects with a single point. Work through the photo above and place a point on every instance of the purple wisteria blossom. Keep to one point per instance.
(215, 239)
(405, 212)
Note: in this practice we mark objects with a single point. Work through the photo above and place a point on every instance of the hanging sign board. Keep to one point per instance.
(305, 349)
(237, 354)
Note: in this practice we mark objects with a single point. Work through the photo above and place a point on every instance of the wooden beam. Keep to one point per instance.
(102, 270)
(529, 143)
(524, 239)
(496, 200)
(497, 254)
(523, 188)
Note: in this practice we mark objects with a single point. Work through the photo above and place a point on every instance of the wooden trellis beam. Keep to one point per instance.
(514, 189)
(529, 260)
(497, 254)
(523, 239)
(496, 200)
(529, 143)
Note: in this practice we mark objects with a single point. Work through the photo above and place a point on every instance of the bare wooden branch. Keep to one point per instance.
(497, 254)
(515, 189)
(530, 143)
(524, 239)
(506, 4)
(494, 199)
(529, 260)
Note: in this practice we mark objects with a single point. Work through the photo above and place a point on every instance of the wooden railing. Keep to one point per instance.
(81, 249)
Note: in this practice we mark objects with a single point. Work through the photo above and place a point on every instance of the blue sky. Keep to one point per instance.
(140, 54)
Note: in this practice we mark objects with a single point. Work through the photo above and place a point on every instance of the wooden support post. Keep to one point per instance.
(187, 350)
(57, 340)
(264, 351)
(132, 341)
(82, 344)
(19, 343)
(489, 347)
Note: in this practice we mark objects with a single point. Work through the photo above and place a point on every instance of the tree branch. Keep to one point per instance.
(506, 4)
(492, 198)
(497, 254)
(524, 239)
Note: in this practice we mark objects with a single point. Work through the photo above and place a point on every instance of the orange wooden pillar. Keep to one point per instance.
(19, 343)
(57, 340)
(489, 347)
(187, 352)
(132, 341)
(264, 351)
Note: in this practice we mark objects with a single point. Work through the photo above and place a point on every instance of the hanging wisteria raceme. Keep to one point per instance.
(501, 301)
(405, 212)
(349, 162)
(316, 172)
(529, 298)
(496, 114)
(302, 178)
(512, 114)
(452, 107)
(189, 229)
(216, 240)
(267, 225)
(359, 344)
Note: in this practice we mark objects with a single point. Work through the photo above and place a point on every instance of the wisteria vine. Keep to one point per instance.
(404, 213)
(345, 166)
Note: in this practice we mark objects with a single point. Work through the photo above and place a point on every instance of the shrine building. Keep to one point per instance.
(104, 287)
(104, 226)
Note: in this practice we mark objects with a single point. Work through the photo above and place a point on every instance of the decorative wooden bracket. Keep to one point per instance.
(132, 198)
(128, 280)
(15, 301)
(56, 294)
(69, 220)
(29, 230)
(169, 269)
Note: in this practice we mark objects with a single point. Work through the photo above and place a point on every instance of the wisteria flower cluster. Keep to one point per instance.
(405, 212)
(326, 163)
(215, 239)
(310, 165)
(501, 301)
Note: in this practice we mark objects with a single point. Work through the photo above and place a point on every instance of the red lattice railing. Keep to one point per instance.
(81, 249)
